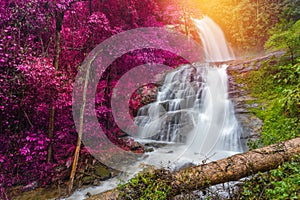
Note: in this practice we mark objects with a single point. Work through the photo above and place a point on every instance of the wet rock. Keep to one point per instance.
(252, 125)
(155, 144)
(240, 97)
(241, 110)
(149, 149)
(88, 194)
(96, 182)
(133, 145)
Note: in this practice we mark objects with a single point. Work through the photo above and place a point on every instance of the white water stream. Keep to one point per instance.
(192, 119)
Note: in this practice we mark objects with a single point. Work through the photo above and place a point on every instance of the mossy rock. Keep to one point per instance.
(88, 180)
(102, 172)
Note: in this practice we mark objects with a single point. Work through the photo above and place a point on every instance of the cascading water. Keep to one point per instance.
(192, 118)
(192, 105)
(213, 41)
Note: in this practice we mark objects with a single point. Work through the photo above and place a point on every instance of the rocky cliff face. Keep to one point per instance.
(240, 96)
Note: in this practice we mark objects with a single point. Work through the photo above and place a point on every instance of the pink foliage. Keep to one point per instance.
(30, 84)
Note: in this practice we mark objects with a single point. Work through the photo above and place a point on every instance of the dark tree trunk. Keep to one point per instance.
(90, 7)
(58, 18)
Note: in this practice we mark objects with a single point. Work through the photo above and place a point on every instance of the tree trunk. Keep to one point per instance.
(90, 7)
(50, 133)
(58, 18)
(80, 128)
(229, 169)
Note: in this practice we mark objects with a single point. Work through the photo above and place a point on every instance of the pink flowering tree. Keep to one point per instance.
(42, 44)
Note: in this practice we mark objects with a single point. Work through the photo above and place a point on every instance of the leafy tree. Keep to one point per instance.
(291, 10)
(244, 22)
(288, 40)
(42, 44)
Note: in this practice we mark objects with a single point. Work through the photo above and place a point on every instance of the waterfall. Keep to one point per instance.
(192, 106)
(213, 41)
(192, 116)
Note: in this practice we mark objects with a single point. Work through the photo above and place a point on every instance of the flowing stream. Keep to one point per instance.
(192, 120)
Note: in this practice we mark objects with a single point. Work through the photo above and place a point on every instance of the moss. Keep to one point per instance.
(272, 86)
(102, 172)
(154, 184)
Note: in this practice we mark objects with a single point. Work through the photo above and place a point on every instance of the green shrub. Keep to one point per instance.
(276, 87)
(281, 183)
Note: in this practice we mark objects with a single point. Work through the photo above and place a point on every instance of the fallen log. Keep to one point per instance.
(199, 177)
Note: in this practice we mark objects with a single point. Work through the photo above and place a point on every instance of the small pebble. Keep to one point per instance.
(88, 194)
